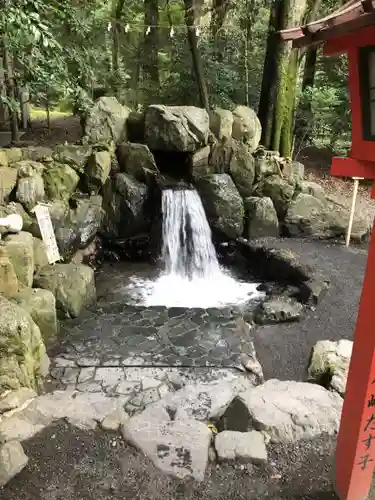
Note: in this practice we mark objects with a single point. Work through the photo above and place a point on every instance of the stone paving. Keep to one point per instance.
(145, 353)
(158, 336)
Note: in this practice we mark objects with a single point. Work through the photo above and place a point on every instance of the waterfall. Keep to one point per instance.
(188, 250)
(192, 276)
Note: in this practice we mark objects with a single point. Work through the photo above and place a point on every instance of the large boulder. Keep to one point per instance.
(279, 190)
(60, 182)
(176, 128)
(241, 447)
(97, 170)
(40, 255)
(75, 225)
(12, 461)
(266, 163)
(9, 283)
(41, 305)
(37, 153)
(223, 204)
(3, 158)
(72, 285)
(242, 169)
(246, 126)
(178, 448)
(106, 121)
(23, 359)
(313, 188)
(125, 204)
(329, 364)
(20, 250)
(221, 123)
(30, 186)
(261, 218)
(75, 156)
(322, 218)
(294, 170)
(80, 227)
(136, 160)
(9, 156)
(285, 411)
(17, 208)
(234, 158)
(8, 180)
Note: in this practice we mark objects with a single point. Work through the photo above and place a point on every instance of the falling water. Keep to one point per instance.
(188, 250)
(192, 276)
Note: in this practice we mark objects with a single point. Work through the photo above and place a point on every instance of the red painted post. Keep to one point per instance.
(355, 453)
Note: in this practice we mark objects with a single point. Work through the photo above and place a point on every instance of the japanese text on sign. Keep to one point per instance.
(46, 230)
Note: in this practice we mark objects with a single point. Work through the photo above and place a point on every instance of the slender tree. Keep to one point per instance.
(190, 18)
(151, 48)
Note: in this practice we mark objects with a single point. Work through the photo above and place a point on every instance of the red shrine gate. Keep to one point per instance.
(351, 30)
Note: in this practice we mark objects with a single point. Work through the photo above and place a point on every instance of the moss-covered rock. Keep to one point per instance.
(294, 171)
(9, 284)
(279, 190)
(60, 182)
(40, 254)
(242, 169)
(221, 123)
(124, 204)
(176, 128)
(261, 218)
(80, 225)
(20, 250)
(3, 158)
(329, 364)
(322, 218)
(72, 285)
(8, 180)
(13, 155)
(37, 153)
(97, 170)
(41, 305)
(106, 121)
(23, 358)
(30, 186)
(75, 156)
(136, 160)
(246, 126)
(223, 204)
(17, 208)
(233, 157)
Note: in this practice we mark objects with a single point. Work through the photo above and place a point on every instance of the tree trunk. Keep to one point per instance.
(10, 89)
(3, 108)
(249, 20)
(287, 127)
(151, 47)
(117, 9)
(270, 72)
(220, 10)
(195, 53)
(304, 113)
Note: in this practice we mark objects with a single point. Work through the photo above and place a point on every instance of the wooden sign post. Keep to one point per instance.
(355, 454)
(46, 229)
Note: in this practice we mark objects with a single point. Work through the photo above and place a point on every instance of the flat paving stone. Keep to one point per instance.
(157, 336)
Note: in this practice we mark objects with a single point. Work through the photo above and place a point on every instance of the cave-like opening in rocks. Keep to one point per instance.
(174, 164)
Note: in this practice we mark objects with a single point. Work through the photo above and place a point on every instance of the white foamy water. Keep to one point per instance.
(192, 276)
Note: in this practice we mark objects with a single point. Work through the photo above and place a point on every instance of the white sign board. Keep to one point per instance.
(46, 229)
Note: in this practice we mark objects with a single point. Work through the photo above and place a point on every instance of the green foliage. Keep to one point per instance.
(63, 50)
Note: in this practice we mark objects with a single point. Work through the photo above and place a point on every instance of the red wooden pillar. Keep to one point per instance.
(355, 453)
